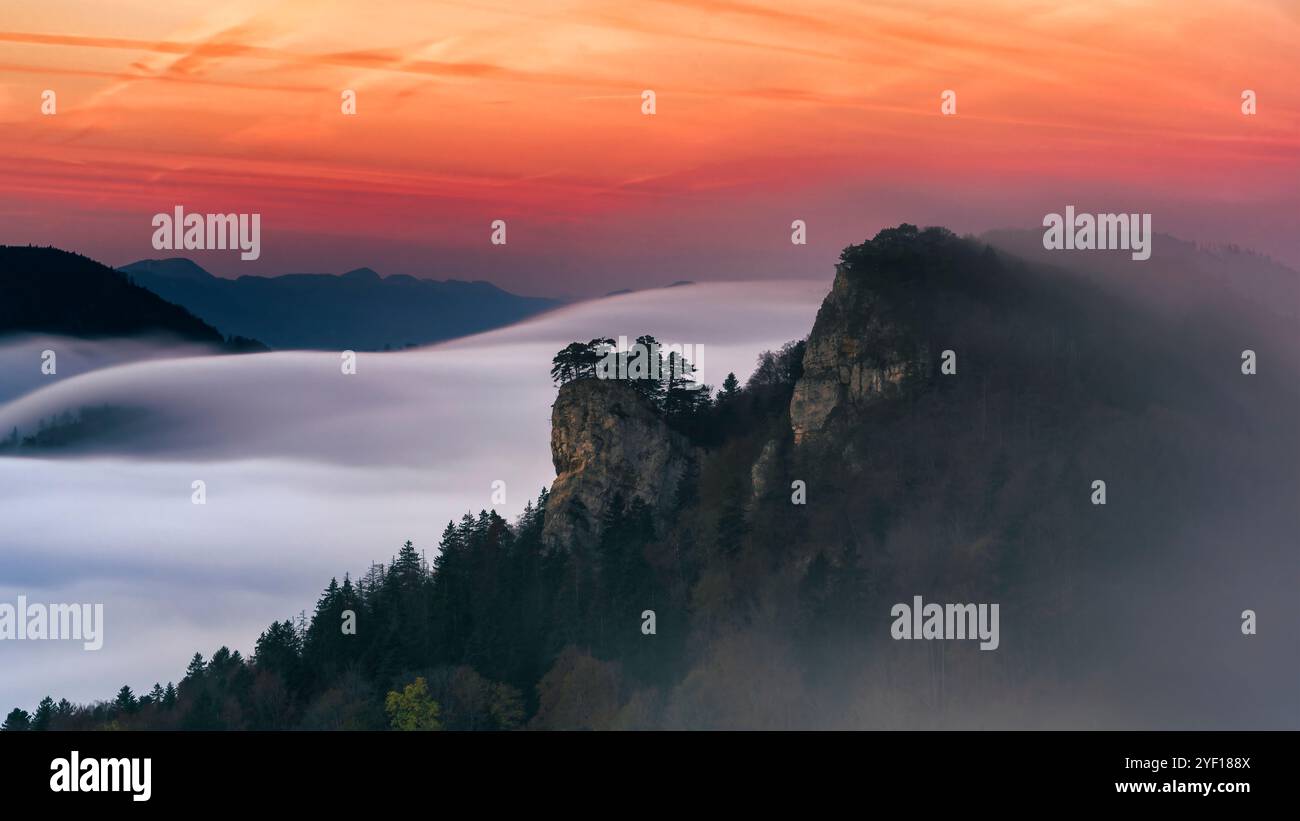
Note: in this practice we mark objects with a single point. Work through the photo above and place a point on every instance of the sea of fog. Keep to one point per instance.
(309, 473)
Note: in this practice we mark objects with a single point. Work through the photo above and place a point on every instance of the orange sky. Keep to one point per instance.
(529, 111)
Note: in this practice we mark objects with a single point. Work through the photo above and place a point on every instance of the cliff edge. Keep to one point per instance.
(608, 442)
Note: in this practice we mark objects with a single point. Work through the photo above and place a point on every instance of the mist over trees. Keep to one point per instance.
(772, 613)
(496, 632)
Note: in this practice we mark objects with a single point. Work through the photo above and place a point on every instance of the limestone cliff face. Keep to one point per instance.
(606, 440)
(858, 353)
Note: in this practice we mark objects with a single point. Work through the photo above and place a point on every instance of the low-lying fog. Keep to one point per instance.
(309, 473)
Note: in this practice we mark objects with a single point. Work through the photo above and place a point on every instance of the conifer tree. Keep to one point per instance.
(568, 363)
(196, 667)
(44, 714)
(125, 701)
(730, 387)
(18, 719)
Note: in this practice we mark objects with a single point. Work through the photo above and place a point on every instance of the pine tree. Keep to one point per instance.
(407, 569)
(568, 363)
(44, 714)
(196, 667)
(683, 396)
(322, 650)
(593, 353)
(219, 666)
(279, 650)
(649, 384)
(125, 701)
(730, 387)
(17, 720)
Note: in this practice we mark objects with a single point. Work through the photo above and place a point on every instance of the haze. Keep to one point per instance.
(309, 473)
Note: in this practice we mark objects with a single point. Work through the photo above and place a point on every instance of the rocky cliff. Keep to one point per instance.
(607, 441)
(859, 351)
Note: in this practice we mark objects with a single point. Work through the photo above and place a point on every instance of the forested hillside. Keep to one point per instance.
(963, 478)
(57, 292)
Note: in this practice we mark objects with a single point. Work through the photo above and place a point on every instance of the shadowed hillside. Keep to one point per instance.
(57, 292)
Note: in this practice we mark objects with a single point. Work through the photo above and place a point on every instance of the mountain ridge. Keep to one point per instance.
(753, 584)
(357, 310)
(49, 290)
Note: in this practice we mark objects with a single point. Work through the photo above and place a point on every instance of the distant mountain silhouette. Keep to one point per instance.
(175, 268)
(678, 284)
(359, 310)
(47, 290)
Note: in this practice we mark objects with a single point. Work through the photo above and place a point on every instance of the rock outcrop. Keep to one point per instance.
(608, 441)
(858, 352)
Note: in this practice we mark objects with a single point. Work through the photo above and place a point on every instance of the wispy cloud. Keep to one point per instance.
(468, 111)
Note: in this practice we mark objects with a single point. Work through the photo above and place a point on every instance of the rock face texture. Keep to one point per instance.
(858, 352)
(607, 441)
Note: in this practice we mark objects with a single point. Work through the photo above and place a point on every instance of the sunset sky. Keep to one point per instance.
(530, 112)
